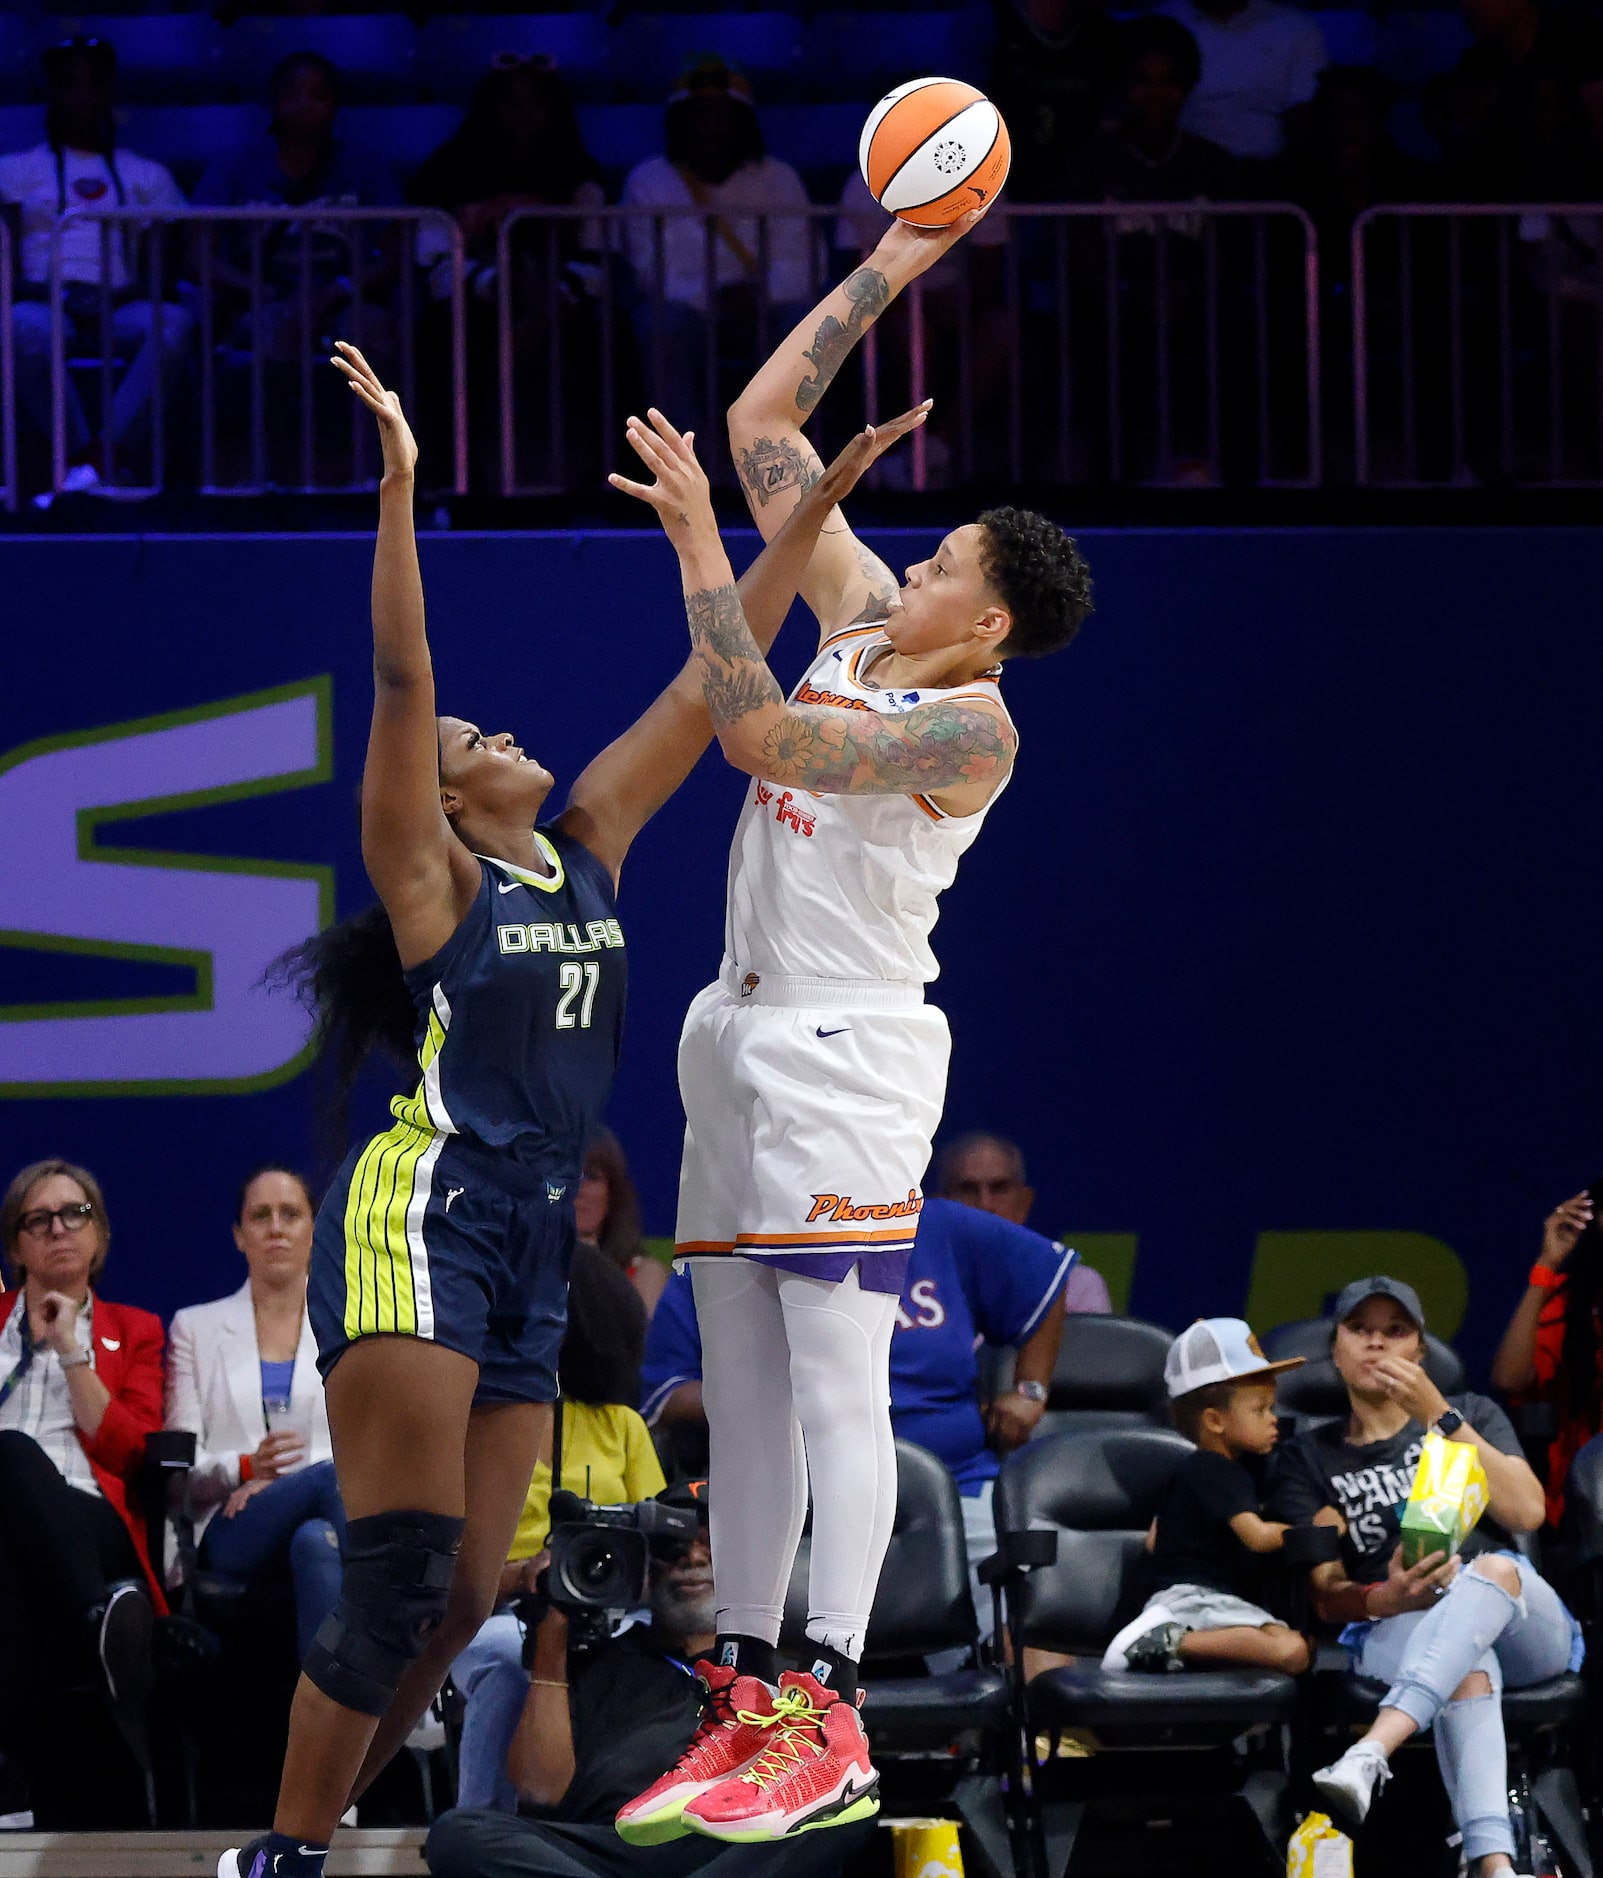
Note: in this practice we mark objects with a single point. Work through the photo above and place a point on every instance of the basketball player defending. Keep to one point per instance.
(812, 1071)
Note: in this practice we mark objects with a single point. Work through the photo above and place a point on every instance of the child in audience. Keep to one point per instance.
(1206, 1542)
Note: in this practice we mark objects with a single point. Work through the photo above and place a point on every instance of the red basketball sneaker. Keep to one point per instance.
(814, 1771)
(734, 1729)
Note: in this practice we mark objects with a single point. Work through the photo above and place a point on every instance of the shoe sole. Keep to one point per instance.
(1114, 1657)
(839, 1812)
(1339, 1804)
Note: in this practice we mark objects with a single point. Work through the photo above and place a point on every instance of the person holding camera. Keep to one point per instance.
(606, 1453)
(604, 1713)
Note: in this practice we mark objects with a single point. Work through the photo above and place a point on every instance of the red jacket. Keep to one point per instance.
(128, 1349)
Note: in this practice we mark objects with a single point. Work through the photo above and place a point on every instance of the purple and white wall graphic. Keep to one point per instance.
(224, 918)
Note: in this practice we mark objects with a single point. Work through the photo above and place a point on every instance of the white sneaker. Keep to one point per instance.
(1349, 1785)
(1114, 1656)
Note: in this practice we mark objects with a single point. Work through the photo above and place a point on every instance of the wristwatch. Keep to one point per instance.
(1031, 1391)
(1448, 1423)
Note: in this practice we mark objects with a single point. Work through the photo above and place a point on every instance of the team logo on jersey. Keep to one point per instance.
(842, 1206)
(810, 694)
(788, 812)
(749, 984)
(554, 1191)
(560, 936)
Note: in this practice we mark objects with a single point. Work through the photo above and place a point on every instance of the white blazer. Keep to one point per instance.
(214, 1391)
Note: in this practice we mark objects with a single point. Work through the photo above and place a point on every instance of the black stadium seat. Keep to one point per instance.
(649, 50)
(1099, 1492)
(376, 53)
(454, 50)
(1109, 1374)
(162, 58)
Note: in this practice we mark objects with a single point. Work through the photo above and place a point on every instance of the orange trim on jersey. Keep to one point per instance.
(824, 1240)
(688, 1247)
(849, 632)
(935, 813)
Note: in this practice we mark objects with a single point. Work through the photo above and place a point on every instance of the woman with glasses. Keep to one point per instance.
(242, 1377)
(80, 1389)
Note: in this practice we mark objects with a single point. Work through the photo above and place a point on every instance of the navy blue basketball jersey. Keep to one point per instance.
(520, 1012)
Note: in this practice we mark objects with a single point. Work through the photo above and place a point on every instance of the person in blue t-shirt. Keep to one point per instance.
(973, 1279)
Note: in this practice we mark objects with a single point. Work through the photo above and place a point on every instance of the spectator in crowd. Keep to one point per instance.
(713, 161)
(1202, 1570)
(302, 162)
(596, 1729)
(1446, 1634)
(1552, 1350)
(605, 1455)
(1054, 65)
(973, 1278)
(77, 170)
(1341, 160)
(242, 1377)
(1146, 156)
(519, 146)
(1260, 60)
(606, 1210)
(987, 1171)
(80, 1389)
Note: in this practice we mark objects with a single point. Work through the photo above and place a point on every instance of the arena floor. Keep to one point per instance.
(375, 1854)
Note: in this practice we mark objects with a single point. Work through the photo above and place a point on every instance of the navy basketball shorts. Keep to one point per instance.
(425, 1235)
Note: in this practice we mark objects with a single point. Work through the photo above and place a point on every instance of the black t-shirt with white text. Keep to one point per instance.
(1194, 1543)
(1369, 1484)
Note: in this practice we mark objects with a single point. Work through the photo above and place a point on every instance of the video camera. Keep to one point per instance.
(600, 1554)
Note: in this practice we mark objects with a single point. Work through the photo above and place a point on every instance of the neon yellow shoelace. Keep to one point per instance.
(793, 1714)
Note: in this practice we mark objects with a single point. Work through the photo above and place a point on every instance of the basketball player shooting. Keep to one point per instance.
(812, 1071)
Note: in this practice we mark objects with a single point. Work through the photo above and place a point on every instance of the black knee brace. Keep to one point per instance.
(393, 1594)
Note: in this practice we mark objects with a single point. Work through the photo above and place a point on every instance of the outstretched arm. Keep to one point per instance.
(930, 749)
(845, 582)
(618, 793)
(422, 873)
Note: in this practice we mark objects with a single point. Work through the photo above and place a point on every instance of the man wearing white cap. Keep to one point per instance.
(1206, 1543)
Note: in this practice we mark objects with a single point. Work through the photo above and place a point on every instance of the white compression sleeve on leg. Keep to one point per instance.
(840, 1379)
(757, 1490)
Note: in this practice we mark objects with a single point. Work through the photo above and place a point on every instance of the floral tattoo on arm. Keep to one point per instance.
(933, 747)
(869, 293)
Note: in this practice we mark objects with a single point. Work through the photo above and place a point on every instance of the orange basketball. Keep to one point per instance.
(932, 150)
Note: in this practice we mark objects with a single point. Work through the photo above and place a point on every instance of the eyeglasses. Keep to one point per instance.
(70, 1218)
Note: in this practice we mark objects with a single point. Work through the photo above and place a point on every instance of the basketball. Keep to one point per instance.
(932, 150)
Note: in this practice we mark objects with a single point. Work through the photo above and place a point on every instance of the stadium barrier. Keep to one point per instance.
(1113, 343)
(1477, 345)
(259, 294)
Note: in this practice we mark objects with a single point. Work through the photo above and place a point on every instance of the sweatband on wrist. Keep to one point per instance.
(1544, 1278)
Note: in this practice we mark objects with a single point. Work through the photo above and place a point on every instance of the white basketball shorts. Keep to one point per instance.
(810, 1106)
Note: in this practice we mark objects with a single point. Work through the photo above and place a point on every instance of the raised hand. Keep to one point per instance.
(395, 434)
(1564, 1225)
(864, 451)
(904, 252)
(680, 495)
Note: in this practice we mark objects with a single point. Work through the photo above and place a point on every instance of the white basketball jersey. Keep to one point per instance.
(841, 886)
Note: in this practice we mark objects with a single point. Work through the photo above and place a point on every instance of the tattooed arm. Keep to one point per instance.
(957, 751)
(845, 582)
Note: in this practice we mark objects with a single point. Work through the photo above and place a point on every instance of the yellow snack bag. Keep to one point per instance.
(1449, 1495)
(1317, 1850)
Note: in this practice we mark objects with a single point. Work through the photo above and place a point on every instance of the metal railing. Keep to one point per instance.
(253, 296)
(1097, 343)
(1478, 345)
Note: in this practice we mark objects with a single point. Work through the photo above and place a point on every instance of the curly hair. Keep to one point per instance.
(1041, 578)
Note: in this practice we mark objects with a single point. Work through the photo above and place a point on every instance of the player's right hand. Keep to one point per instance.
(860, 455)
(904, 252)
(395, 434)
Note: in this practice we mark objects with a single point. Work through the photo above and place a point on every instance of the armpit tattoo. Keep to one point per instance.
(869, 294)
(774, 464)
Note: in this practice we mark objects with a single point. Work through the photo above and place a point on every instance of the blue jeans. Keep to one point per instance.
(490, 1678)
(298, 1519)
(1425, 1655)
(133, 338)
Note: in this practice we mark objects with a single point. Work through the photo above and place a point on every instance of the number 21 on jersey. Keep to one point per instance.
(578, 984)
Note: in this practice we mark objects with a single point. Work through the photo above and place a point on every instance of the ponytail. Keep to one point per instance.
(349, 975)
